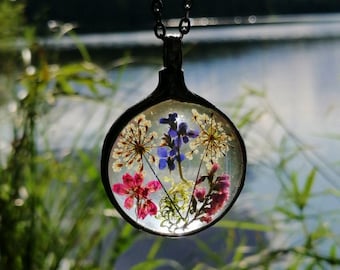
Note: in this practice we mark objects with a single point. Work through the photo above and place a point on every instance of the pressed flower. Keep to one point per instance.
(200, 193)
(218, 196)
(214, 168)
(147, 208)
(180, 130)
(172, 141)
(136, 193)
(212, 137)
(135, 141)
(173, 207)
(206, 219)
(171, 120)
(217, 202)
(185, 134)
(167, 159)
(222, 184)
(210, 194)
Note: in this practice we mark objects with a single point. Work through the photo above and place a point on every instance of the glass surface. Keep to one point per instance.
(176, 168)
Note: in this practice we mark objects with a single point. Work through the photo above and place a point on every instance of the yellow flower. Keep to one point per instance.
(212, 138)
(173, 207)
(134, 142)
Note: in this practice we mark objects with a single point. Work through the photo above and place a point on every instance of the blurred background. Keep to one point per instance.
(103, 16)
(70, 68)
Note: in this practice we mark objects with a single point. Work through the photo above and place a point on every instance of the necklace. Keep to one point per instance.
(173, 164)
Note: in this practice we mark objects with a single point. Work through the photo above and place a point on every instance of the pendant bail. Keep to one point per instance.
(172, 52)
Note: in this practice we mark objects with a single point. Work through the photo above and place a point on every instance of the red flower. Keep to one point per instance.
(147, 208)
(132, 187)
(222, 184)
(200, 193)
(206, 219)
(217, 202)
(214, 168)
(218, 196)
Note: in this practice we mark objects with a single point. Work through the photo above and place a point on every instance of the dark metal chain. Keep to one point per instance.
(184, 23)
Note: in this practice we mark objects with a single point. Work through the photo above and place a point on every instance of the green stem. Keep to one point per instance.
(180, 170)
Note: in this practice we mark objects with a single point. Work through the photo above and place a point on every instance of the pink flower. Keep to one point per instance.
(218, 197)
(222, 184)
(214, 168)
(147, 208)
(133, 189)
(206, 219)
(200, 193)
(216, 203)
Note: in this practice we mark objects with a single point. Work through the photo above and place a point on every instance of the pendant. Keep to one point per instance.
(173, 164)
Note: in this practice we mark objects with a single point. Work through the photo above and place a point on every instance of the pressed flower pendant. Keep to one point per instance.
(173, 164)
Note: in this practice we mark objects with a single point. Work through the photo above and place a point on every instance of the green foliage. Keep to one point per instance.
(10, 21)
(156, 264)
(10, 29)
(52, 203)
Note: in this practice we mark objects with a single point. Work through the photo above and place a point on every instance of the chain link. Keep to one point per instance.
(160, 29)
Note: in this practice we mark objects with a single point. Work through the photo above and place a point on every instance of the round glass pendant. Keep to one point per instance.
(173, 164)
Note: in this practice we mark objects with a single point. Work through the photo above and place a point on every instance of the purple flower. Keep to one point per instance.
(167, 159)
(172, 122)
(177, 134)
(180, 131)
(171, 119)
(185, 134)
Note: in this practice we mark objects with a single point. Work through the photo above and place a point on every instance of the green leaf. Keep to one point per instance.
(295, 187)
(287, 212)
(234, 224)
(202, 266)
(239, 254)
(308, 185)
(125, 238)
(251, 116)
(208, 251)
(333, 251)
(65, 86)
(155, 264)
(255, 92)
(81, 47)
(301, 198)
(154, 248)
(334, 192)
(321, 232)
